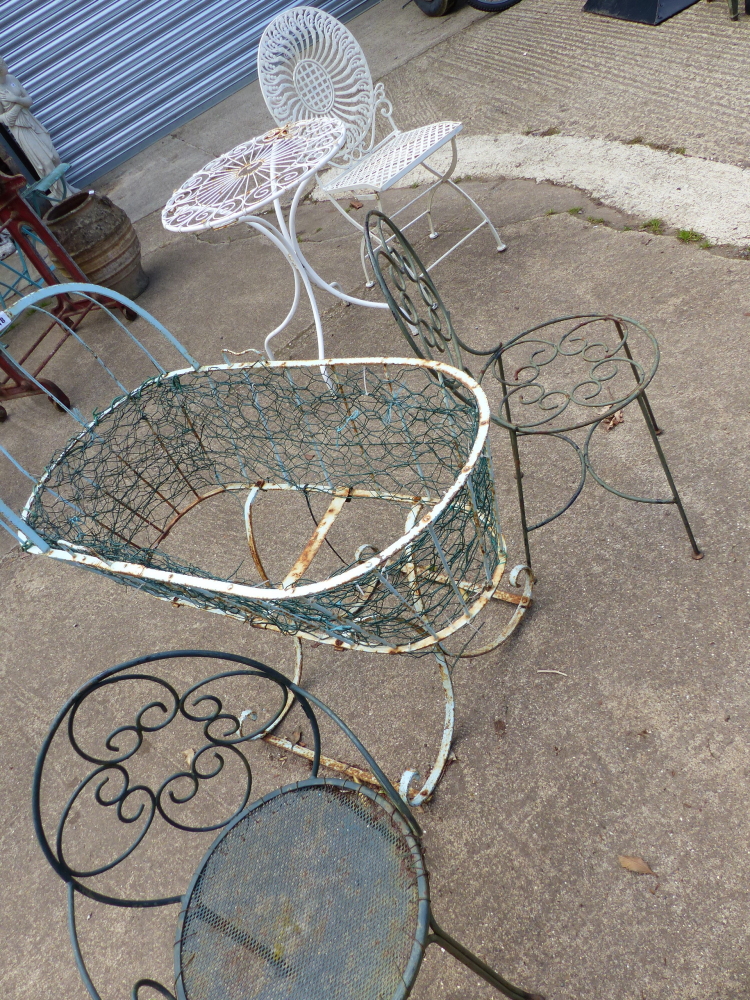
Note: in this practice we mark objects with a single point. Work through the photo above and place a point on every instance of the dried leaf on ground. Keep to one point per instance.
(611, 422)
(355, 204)
(296, 737)
(188, 755)
(637, 865)
(500, 727)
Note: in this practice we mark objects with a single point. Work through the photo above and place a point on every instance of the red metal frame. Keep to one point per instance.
(15, 216)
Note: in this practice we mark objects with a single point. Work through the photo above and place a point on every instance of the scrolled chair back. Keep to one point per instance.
(135, 758)
(311, 66)
(411, 294)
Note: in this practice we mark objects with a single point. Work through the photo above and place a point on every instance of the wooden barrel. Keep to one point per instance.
(101, 240)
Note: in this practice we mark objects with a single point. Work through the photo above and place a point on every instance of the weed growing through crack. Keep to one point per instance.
(574, 211)
(655, 226)
(690, 236)
(594, 221)
(551, 211)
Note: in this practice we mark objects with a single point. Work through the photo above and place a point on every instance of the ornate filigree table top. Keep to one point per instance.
(253, 174)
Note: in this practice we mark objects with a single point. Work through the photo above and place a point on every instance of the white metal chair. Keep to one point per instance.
(310, 65)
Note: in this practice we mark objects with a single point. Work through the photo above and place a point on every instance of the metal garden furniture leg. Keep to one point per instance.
(569, 375)
(235, 187)
(310, 65)
(319, 888)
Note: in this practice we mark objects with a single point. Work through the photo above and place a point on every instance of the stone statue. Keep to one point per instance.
(30, 134)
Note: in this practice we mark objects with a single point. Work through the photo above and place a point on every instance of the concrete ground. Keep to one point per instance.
(636, 744)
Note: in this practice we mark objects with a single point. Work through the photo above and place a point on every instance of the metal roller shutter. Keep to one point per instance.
(109, 77)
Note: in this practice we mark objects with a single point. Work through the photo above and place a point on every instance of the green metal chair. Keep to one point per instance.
(574, 373)
(317, 891)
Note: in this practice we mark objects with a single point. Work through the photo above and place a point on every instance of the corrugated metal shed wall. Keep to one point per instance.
(109, 77)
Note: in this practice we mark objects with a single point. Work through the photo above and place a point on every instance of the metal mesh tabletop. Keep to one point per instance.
(253, 174)
(318, 891)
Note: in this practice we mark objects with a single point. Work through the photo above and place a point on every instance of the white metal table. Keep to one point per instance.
(237, 185)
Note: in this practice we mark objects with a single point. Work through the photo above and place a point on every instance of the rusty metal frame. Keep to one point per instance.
(71, 553)
(472, 597)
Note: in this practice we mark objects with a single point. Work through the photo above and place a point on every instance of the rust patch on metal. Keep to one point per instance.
(317, 538)
(340, 767)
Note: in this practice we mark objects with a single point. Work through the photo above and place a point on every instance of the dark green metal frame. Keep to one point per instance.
(428, 329)
(222, 732)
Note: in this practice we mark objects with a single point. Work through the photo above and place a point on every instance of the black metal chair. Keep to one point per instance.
(574, 373)
(317, 891)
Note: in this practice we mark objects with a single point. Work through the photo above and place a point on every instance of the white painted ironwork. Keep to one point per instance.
(252, 175)
(309, 64)
(238, 184)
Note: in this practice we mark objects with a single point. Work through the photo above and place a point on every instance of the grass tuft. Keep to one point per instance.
(655, 226)
(690, 236)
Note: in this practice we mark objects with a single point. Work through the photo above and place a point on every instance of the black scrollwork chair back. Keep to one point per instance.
(561, 376)
(317, 890)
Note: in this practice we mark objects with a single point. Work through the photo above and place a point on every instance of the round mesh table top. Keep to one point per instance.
(317, 892)
(253, 174)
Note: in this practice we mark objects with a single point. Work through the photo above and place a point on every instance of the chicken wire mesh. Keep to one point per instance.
(384, 442)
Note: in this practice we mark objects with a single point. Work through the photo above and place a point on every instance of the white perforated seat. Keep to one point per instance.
(399, 154)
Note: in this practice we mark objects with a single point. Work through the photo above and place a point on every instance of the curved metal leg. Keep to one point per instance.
(496, 236)
(445, 178)
(408, 777)
(289, 697)
(675, 498)
(307, 269)
(269, 337)
(477, 966)
(82, 970)
(287, 319)
(281, 241)
(522, 601)
(151, 984)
